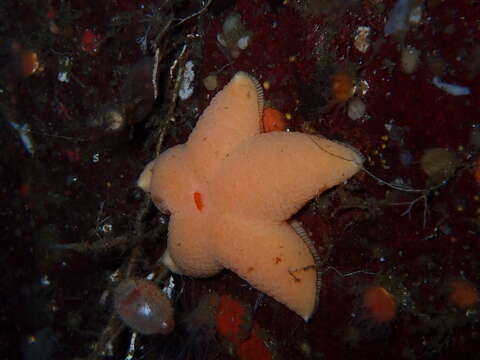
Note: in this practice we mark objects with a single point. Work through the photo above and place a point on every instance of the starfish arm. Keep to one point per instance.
(272, 258)
(173, 182)
(275, 174)
(188, 249)
(232, 117)
(145, 179)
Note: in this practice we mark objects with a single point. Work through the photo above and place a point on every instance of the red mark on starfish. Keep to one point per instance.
(198, 200)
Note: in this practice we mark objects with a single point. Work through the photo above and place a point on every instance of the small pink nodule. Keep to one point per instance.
(144, 307)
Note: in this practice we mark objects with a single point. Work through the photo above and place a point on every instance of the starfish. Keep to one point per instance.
(231, 188)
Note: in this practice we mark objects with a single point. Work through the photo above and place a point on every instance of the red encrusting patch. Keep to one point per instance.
(254, 347)
(233, 320)
(90, 41)
(197, 197)
(51, 13)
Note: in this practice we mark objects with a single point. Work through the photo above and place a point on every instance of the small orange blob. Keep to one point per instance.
(342, 86)
(233, 320)
(380, 303)
(197, 197)
(30, 63)
(463, 294)
(273, 120)
(476, 173)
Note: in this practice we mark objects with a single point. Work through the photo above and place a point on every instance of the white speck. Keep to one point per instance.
(186, 87)
(409, 59)
(145, 310)
(63, 77)
(114, 276)
(131, 348)
(44, 280)
(66, 61)
(106, 228)
(382, 259)
(168, 290)
(150, 276)
(356, 109)
(452, 89)
(361, 38)
(221, 40)
(142, 42)
(24, 135)
(96, 157)
(164, 219)
(109, 349)
(243, 42)
(415, 16)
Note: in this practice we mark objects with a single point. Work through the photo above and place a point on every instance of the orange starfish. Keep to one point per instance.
(230, 190)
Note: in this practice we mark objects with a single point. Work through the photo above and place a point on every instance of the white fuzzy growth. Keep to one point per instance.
(452, 89)
(243, 42)
(356, 109)
(63, 77)
(186, 86)
(168, 290)
(361, 39)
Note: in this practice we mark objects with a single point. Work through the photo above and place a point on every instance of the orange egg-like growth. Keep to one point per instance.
(476, 173)
(30, 63)
(380, 303)
(343, 85)
(463, 294)
(273, 120)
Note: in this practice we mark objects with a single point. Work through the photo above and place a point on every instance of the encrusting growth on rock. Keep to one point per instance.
(231, 188)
